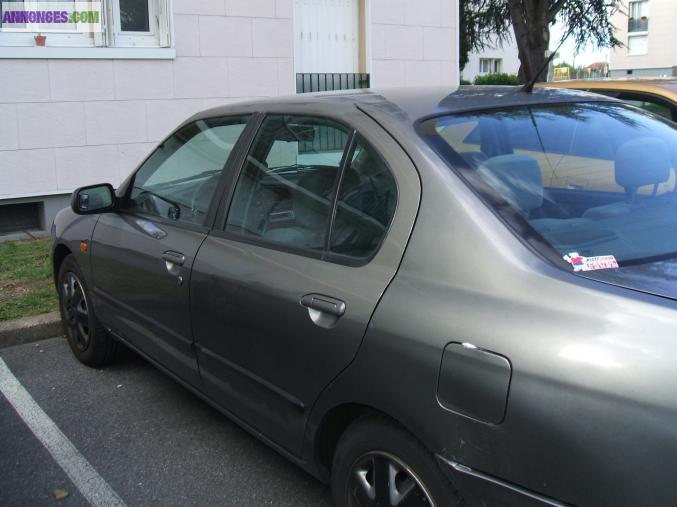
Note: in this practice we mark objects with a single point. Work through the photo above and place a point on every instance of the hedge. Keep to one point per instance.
(497, 79)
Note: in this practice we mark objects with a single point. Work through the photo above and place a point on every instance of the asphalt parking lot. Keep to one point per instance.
(150, 440)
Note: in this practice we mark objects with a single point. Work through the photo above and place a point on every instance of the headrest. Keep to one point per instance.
(517, 178)
(642, 161)
(367, 164)
(312, 196)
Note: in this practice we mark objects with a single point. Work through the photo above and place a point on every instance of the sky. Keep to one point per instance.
(585, 57)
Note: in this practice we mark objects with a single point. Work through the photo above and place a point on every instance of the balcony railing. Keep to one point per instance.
(638, 25)
(316, 82)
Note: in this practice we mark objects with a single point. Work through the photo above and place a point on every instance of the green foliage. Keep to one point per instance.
(26, 283)
(465, 82)
(497, 79)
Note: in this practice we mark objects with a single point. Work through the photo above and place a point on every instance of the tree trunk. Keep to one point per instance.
(532, 36)
(537, 58)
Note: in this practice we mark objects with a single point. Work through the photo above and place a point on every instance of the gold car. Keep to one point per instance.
(656, 95)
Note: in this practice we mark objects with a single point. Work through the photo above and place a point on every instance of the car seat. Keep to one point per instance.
(639, 162)
(311, 206)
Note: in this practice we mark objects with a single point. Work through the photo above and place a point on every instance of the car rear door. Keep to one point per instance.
(142, 255)
(279, 309)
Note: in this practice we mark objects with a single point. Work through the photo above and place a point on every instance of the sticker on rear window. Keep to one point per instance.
(581, 263)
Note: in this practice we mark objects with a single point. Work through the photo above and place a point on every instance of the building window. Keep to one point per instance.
(490, 65)
(638, 20)
(120, 24)
(638, 45)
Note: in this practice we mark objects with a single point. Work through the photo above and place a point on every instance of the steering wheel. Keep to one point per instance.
(199, 201)
(148, 204)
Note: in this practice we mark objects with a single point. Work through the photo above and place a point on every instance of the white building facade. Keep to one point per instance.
(88, 108)
(500, 58)
(647, 30)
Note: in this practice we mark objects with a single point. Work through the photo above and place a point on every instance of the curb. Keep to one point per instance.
(30, 329)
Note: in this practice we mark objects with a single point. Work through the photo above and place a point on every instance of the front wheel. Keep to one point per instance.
(87, 338)
(377, 463)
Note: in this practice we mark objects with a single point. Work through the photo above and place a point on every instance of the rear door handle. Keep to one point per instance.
(324, 304)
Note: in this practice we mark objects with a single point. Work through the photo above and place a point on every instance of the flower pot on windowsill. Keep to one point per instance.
(40, 40)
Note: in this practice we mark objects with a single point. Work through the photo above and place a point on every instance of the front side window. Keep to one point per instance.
(179, 179)
(286, 190)
(595, 180)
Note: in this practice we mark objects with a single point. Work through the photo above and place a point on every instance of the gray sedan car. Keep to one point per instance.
(422, 297)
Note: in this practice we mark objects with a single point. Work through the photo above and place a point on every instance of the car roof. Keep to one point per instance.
(413, 103)
(664, 87)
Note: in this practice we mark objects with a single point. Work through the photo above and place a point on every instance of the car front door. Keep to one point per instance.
(282, 295)
(142, 255)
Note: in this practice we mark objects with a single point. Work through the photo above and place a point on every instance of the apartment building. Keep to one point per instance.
(647, 30)
(500, 58)
(80, 107)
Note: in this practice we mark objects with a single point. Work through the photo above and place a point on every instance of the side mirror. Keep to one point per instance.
(94, 199)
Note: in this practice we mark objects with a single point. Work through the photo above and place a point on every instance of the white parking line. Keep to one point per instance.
(92, 486)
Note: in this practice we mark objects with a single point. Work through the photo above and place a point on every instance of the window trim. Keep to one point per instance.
(219, 226)
(127, 186)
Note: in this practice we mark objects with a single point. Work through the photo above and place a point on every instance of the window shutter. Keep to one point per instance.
(164, 23)
(100, 38)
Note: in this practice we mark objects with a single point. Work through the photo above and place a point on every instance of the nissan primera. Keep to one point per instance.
(422, 297)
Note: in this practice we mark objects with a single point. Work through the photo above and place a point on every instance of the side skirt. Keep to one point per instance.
(245, 426)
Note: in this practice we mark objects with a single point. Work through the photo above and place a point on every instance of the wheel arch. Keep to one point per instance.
(60, 252)
(333, 425)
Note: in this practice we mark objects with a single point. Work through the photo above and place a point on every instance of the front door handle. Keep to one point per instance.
(174, 258)
(324, 304)
(173, 263)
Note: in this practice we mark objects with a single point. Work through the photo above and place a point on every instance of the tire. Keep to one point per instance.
(87, 338)
(374, 447)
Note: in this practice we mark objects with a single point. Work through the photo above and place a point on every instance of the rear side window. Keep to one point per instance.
(286, 190)
(366, 205)
(306, 186)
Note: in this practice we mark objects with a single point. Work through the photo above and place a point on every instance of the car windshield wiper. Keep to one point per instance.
(648, 259)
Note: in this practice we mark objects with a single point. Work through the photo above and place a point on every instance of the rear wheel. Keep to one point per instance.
(377, 463)
(87, 338)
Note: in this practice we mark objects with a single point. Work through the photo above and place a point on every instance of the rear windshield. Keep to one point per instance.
(591, 184)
